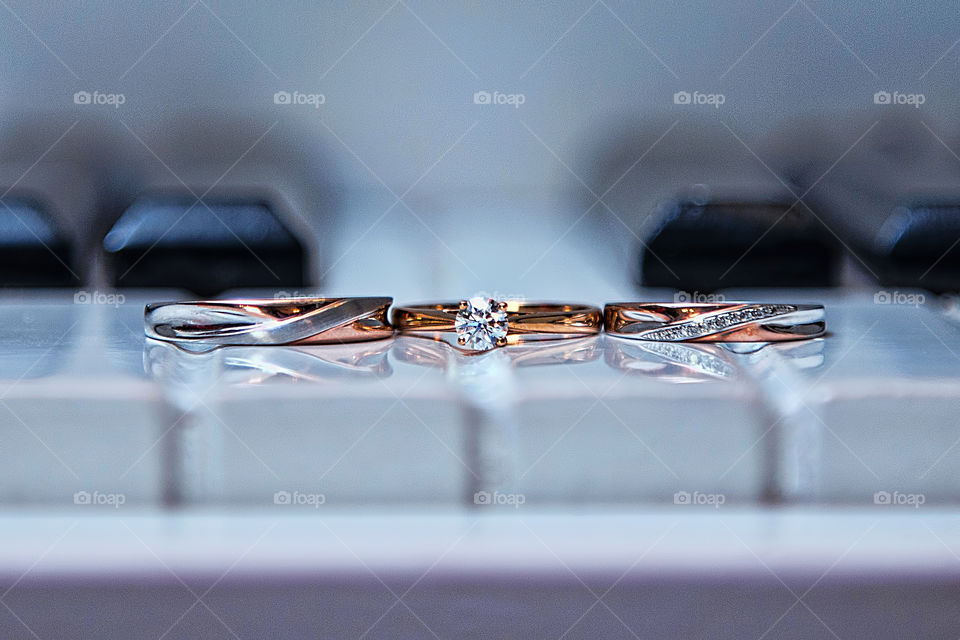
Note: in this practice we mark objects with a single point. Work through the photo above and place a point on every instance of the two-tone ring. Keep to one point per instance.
(481, 324)
(212, 323)
(714, 322)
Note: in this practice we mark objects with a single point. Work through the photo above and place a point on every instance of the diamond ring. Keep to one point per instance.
(714, 322)
(481, 324)
(213, 323)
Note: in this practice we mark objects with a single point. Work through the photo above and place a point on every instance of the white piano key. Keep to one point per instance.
(337, 425)
(641, 422)
(878, 418)
(78, 417)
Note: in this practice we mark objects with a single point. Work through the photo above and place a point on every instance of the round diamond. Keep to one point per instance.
(480, 324)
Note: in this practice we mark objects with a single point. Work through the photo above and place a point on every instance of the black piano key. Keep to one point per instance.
(705, 246)
(206, 248)
(701, 210)
(34, 252)
(889, 189)
(917, 246)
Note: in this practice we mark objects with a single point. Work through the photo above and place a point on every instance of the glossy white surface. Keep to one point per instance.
(388, 446)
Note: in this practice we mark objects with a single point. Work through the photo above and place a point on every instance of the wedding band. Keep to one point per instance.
(269, 321)
(481, 324)
(714, 322)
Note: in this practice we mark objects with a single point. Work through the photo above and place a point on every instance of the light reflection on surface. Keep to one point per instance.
(172, 366)
(702, 362)
(672, 361)
(440, 354)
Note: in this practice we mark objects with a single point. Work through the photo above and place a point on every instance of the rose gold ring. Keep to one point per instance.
(714, 322)
(209, 323)
(481, 324)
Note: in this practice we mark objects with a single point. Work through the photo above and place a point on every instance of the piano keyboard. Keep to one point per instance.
(303, 473)
(588, 488)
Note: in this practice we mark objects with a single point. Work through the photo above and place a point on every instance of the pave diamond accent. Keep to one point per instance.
(717, 322)
(481, 324)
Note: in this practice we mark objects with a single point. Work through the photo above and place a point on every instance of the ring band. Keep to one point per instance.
(714, 322)
(269, 321)
(482, 324)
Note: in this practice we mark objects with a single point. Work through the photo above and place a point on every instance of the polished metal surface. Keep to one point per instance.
(714, 322)
(515, 321)
(210, 323)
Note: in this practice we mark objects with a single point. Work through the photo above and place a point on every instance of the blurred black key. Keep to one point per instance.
(711, 245)
(917, 247)
(888, 188)
(690, 205)
(206, 249)
(33, 250)
(80, 169)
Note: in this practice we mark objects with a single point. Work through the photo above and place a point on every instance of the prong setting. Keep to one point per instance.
(481, 324)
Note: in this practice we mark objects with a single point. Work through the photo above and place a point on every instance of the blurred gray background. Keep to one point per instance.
(399, 78)
(461, 144)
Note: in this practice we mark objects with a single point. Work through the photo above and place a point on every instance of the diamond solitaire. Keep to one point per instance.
(481, 324)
